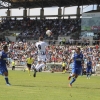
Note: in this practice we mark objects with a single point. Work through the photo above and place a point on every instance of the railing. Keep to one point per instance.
(73, 43)
(54, 67)
(36, 16)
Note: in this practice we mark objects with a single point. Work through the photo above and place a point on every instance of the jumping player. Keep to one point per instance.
(41, 55)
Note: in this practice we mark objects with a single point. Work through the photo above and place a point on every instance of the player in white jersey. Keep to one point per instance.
(41, 55)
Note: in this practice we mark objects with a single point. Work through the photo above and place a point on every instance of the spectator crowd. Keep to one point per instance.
(55, 53)
(33, 28)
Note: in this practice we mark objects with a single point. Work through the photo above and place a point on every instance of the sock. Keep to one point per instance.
(6, 79)
(73, 80)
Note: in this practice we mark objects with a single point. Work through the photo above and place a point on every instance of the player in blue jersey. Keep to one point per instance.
(89, 68)
(4, 63)
(77, 59)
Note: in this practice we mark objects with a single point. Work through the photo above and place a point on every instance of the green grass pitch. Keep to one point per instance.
(48, 86)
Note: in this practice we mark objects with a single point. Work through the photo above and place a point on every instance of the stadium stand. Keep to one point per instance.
(34, 28)
(29, 28)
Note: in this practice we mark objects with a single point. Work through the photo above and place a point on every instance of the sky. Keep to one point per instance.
(47, 11)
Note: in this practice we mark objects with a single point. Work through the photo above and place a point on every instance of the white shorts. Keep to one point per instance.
(42, 58)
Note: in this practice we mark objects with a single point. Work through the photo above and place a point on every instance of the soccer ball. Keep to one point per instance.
(48, 32)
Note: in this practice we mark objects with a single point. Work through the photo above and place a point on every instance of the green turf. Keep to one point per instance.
(48, 86)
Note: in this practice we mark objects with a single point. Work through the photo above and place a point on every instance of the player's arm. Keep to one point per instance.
(0, 54)
(71, 60)
(7, 62)
(36, 45)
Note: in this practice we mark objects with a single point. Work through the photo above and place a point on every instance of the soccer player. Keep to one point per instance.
(29, 61)
(89, 68)
(41, 55)
(77, 59)
(64, 67)
(3, 63)
(13, 64)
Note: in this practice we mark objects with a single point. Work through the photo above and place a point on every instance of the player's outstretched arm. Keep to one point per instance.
(69, 62)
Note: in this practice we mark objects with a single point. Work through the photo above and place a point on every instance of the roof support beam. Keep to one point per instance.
(46, 3)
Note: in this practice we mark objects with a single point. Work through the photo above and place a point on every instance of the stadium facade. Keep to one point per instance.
(11, 4)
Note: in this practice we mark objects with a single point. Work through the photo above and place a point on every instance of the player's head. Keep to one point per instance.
(40, 38)
(5, 48)
(78, 49)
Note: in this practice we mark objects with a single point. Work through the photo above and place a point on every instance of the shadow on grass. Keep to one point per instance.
(24, 86)
(84, 87)
(57, 87)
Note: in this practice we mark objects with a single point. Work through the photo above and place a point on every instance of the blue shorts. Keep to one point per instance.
(3, 70)
(88, 70)
(76, 71)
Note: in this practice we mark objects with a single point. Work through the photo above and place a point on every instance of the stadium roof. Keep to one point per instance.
(44, 3)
